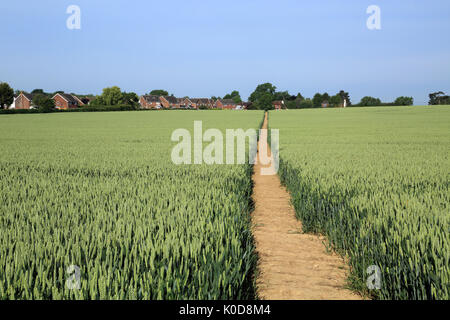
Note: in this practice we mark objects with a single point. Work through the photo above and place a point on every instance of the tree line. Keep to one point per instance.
(262, 98)
(265, 94)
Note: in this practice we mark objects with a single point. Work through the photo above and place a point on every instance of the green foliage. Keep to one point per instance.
(235, 96)
(438, 98)
(43, 102)
(264, 102)
(345, 96)
(101, 193)
(111, 96)
(292, 104)
(6, 95)
(262, 91)
(281, 95)
(376, 182)
(307, 103)
(265, 94)
(300, 97)
(87, 108)
(317, 100)
(404, 101)
(335, 100)
(298, 103)
(130, 98)
(38, 91)
(159, 92)
(252, 106)
(370, 102)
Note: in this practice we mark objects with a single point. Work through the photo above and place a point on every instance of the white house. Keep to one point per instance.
(13, 105)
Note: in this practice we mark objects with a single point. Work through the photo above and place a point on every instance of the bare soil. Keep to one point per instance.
(292, 265)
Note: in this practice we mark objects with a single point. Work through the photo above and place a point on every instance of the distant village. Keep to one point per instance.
(70, 101)
(265, 97)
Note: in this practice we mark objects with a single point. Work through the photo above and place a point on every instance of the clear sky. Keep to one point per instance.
(202, 48)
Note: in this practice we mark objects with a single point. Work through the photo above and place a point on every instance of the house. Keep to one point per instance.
(150, 102)
(24, 101)
(67, 101)
(278, 105)
(186, 103)
(325, 104)
(227, 104)
(247, 105)
(202, 102)
(86, 100)
(170, 102)
(13, 105)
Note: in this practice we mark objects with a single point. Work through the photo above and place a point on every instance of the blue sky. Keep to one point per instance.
(203, 48)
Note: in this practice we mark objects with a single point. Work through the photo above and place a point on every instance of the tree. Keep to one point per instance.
(345, 96)
(111, 96)
(6, 95)
(251, 106)
(282, 96)
(38, 91)
(370, 102)
(295, 102)
(325, 97)
(335, 100)
(317, 100)
(44, 103)
(438, 98)
(404, 101)
(114, 96)
(291, 104)
(159, 92)
(235, 96)
(306, 103)
(262, 90)
(130, 98)
(264, 102)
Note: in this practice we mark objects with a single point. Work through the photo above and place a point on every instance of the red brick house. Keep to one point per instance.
(199, 102)
(278, 105)
(86, 100)
(150, 102)
(170, 102)
(186, 103)
(247, 105)
(227, 104)
(24, 101)
(66, 101)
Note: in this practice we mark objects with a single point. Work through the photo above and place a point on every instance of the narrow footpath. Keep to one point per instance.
(292, 265)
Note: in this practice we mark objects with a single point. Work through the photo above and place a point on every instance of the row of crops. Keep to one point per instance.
(99, 192)
(376, 182)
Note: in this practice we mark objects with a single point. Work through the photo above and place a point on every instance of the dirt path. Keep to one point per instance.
(292, 265)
